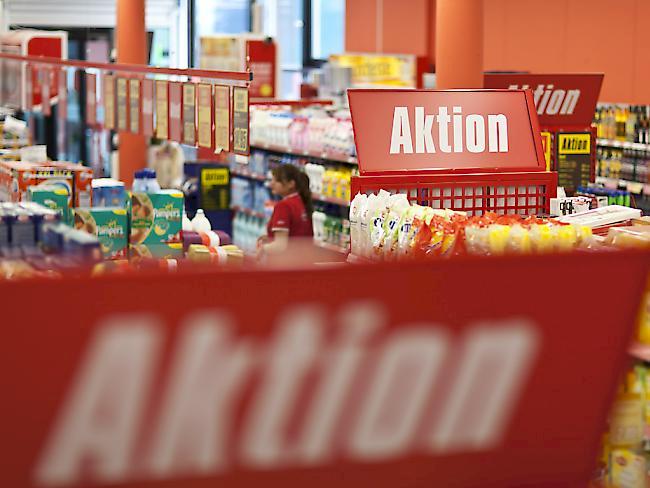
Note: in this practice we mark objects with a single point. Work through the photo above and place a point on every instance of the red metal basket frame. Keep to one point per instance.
(419, 190)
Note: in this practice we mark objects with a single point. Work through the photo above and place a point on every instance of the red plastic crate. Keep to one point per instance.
(523, 193)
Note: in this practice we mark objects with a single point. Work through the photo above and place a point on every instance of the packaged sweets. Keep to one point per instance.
(110, 227)
(357, 203)
(156, 218)
(379, 214)
(398, 204)
(366, 208)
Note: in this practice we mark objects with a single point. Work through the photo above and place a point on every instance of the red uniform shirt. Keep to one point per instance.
(290, 215)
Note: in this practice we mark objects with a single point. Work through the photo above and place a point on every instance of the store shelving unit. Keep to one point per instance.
(623, 144)
(328, 156)
(635, 187)
(244, 173)
(248, 211)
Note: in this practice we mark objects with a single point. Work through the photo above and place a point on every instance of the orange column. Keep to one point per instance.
(459, 43)
(131, 49)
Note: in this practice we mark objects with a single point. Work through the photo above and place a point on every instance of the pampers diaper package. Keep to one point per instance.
(110, 227)
(156, 218)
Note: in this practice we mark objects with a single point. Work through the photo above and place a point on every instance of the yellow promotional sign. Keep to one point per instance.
(379, 69)
(546, 143)
(574, 143)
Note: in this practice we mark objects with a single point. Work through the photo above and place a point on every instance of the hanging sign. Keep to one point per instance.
(222, 118)
(204, 115)
(189, 114)
(162, 109)
(134, 105)
(122, 104)
(62, 108)
(109, 102)
(340, 383)
(240, 121)
(147, 107)
(437, 130)
(262, 61)
(561, 99)
(175, 115)
(573, 159)
(91, 99)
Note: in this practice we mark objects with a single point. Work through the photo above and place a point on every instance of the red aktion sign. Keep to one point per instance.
(415, 374)
(561, 99)
(429, 130)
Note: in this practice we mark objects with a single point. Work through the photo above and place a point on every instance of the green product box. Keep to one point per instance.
(110, 227)
(156, 218)
(172, 250)
(53, 198)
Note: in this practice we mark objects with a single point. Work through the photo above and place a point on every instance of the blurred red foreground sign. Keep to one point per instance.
(446, 130)
(561, 99)
(384, 376)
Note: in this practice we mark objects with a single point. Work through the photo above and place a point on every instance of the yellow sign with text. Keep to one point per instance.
(574, 143)
(378, 69)
(546, 144)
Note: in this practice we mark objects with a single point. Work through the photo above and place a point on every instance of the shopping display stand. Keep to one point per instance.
(566, 104)
(387, 375)
(477, 175)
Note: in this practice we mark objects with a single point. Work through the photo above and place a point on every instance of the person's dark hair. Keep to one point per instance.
(286, 173)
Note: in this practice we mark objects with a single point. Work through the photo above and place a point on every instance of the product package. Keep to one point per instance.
(82, 180)
(172, 250)
(359, 201)
(108, 192)
(54, 198)
(108, 225)
(156, 218)
(16, 177)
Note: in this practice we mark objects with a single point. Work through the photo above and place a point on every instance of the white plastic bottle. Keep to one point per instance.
(186, 222)
(200, 222)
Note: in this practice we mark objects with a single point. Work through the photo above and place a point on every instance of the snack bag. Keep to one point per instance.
(419, 235)
(399, 204)
(359, 201)
(403, 229)
(377, 232)
(365, 208)
(519, 240)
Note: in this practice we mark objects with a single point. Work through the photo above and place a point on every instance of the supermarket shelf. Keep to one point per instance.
(336, 201)
(248, 211)
(622, 144)
(339, 158)
(635, 187)
(640, 351)
(331, 247)
(244, 173)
